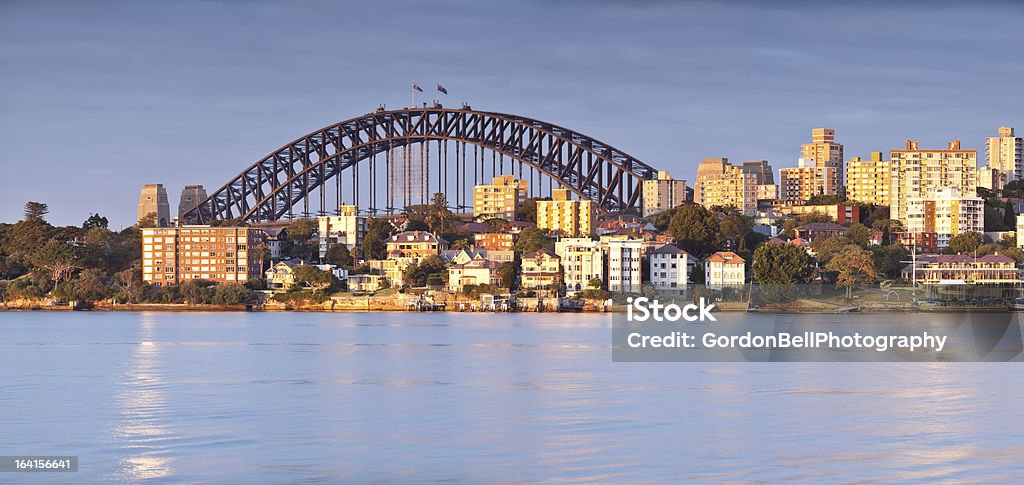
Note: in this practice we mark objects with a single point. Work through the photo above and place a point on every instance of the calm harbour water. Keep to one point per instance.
(396, 397)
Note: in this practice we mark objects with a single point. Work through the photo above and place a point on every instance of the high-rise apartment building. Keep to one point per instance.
(1005, 154)
(191, 196)
(945, 213)
(762, 171)
(345, 228)
(806, 180)
(867, 181)
(173, 255)
(663, 193)
(153, 200)
(708, 166)
(571, 218)
(917, 173)
(501, 199)
(720, 183)
(582, 261)
(826, 153)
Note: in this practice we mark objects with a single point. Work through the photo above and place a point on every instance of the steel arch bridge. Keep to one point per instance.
(313, 169)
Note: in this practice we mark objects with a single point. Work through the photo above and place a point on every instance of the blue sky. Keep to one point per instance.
(99, 98)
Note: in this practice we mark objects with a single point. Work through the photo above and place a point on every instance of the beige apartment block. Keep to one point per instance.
(1005, 155)
(825, 153)
(570, 218)
(723, 184)
(173, 255)
(501, 199)
(806, 180)
(762, 171)
(918, 173)
(867, 181)
(663, 193)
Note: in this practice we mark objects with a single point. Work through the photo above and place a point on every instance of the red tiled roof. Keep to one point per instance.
(725, 257)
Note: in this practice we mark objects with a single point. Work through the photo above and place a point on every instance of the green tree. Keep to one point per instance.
(528, 210)
(438, 216)
(231, 294)
(197, 292)
(889, 260)
(854, 265)
(697, 276)
(339, 255)
(1009, 219)
(416, 225)
(531, 239)
(301, 230)
(314, 278)
(418, 274)
(782, 264)
(36, 211)
(736, 228)
(695, 229)
(510, 272)
(827, 246)
(129, 284)
(147, 221)
(92, 284)
(95, 221)
(964, 243)
(859, 234)
(58, 259)
(377, 232)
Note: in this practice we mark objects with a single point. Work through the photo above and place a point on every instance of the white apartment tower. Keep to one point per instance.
(1005, 154)
(582, 261)
(669, 268)
(345, 228)
(624, 260)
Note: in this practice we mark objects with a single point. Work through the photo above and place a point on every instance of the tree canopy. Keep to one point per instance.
(782, 264)
(695, 229)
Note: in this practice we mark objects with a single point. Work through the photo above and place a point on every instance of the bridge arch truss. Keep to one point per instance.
(356, 161)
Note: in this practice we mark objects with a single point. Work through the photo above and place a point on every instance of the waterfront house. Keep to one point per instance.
(281, 276)
(952, 269)
(724, 268)
(540, 269)
(479, 271)
(410, 244)
(367, 283)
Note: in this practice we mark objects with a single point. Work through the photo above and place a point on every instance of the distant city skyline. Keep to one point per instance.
(100, 99)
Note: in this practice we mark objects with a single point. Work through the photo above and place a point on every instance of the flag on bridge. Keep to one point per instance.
(441, 88)
(417, 87)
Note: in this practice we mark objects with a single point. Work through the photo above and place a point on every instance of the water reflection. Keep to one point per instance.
(284, 398)
(143, 410)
